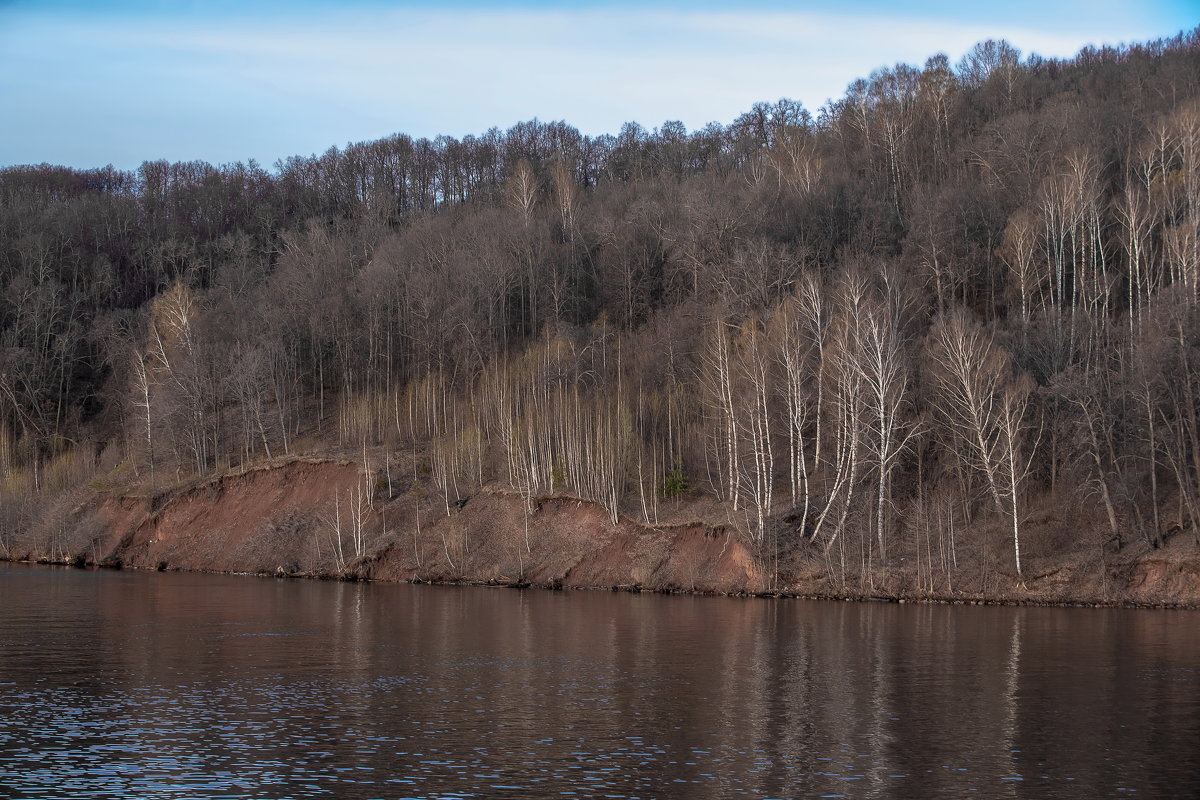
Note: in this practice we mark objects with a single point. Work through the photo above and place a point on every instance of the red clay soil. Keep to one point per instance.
(285, 518)
(564, 541)
(210, 526)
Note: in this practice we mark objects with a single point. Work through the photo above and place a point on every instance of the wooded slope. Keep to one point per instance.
(957, 297)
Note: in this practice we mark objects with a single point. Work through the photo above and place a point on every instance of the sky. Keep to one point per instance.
(90, 83)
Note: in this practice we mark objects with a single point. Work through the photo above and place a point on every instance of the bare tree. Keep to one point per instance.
(523, 191)
(753, 362)
(884, 367)
(846, 406)
(983, 403)
(718, 378)
(1019, 251)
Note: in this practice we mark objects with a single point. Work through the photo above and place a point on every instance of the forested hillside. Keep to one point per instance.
(959, 296)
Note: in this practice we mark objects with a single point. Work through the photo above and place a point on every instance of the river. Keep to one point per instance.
(175, 685)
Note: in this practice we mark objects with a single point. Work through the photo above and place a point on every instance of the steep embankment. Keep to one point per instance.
(568, 542)
(233, 523)
(303, 517)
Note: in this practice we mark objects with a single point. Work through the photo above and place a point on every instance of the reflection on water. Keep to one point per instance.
(196, 686)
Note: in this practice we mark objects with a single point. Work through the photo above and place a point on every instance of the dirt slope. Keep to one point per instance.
(569, 543)
(215, 526)
(286, 517)
(298, 517)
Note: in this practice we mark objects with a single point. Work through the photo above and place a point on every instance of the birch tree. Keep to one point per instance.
(884, 368)
(982, 401)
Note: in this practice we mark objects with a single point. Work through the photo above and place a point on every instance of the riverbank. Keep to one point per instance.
(308, 517)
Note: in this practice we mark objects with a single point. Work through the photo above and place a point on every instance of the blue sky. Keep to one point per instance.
(91, 83)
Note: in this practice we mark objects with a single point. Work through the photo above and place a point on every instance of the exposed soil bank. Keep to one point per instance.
(304, 517)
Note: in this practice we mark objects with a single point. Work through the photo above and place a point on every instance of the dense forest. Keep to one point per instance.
(957, 295)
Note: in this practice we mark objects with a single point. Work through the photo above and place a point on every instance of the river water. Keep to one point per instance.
(172, 685)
